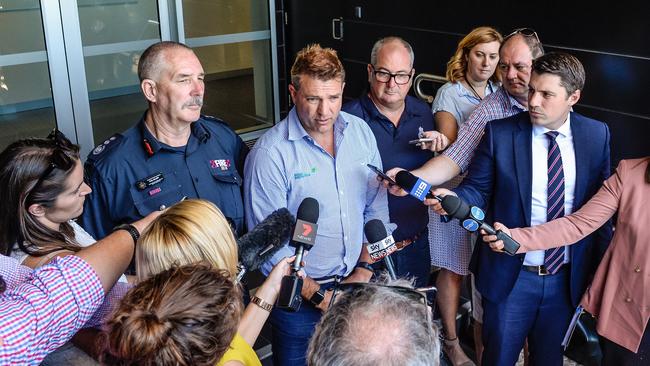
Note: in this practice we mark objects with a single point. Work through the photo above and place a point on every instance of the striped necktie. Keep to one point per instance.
(554, 258)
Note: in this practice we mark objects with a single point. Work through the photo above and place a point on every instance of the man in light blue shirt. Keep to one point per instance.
(319, 152)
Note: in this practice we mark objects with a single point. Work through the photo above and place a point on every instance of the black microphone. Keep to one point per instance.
(264, 240)
(304, 236)
(417, 188)
(381, 245)
(471, 219)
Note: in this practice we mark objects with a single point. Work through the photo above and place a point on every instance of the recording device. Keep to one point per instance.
(304, 235)
(417, 188)
(419, 141)
(471, 219)
(381, 245)
(263, 241)
(381, 174)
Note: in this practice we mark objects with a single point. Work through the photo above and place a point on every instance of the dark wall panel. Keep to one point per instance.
(611, 39)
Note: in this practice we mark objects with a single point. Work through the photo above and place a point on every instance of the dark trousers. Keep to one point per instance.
(414, 260)
(615, 355)
(538, 308)
(291, 332)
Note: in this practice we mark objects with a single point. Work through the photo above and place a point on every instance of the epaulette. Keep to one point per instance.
(214, 119)
(102, 149)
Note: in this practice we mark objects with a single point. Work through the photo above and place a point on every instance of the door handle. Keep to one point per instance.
(337, 24)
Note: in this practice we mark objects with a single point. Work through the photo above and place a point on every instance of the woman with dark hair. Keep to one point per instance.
(181, 316)
(43, 191)
(619, 295)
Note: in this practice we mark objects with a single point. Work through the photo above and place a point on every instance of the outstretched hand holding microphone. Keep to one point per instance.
(447, 204)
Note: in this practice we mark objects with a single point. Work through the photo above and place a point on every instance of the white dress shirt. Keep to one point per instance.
(540, 180)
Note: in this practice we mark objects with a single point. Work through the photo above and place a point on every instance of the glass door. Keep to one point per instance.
(233, 40)
(113, 34)
(26, 101)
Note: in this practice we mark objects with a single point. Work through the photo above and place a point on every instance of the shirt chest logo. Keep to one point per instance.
(222, 164)
(308, 173)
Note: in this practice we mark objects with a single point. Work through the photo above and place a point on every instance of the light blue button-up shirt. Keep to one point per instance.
(286, 165)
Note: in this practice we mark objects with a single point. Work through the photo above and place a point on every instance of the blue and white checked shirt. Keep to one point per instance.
(286, 165)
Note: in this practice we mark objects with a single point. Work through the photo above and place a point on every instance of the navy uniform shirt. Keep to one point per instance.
(410, 215)
(133, 174)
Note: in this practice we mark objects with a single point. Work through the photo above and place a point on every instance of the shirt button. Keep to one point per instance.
(637, 269)
(345, 237)
(628, 299)
(162, 207)
(341, 192)
(342, 215)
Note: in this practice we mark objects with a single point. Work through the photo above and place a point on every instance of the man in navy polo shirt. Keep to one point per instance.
(396, 118)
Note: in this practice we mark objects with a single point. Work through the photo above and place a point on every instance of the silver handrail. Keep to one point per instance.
(426, 77)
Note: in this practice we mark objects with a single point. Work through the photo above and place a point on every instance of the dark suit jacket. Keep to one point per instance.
(500, 179)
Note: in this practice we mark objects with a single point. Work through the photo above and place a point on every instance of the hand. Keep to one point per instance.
(142, 224)
(393, 189)
(439, 141)
(436, 205)
(495, 244)
(281, 269)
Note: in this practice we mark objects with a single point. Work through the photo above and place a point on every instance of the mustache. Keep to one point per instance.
(194, 102)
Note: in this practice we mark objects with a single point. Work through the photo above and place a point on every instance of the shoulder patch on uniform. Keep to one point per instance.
(100, 150)
(214, 119)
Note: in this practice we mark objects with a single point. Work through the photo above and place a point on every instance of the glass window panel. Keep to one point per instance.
(26, 106)
(216, 17)
(114, 34)
(238, 86)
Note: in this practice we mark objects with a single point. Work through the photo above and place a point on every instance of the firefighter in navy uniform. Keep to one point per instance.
(173, 153)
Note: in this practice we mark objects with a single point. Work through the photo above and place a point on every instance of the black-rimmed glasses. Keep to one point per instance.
(384, 77)
(424, 295)
(58, 160)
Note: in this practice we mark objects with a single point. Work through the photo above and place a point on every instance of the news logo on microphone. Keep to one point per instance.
(382, 248)
(305, 233)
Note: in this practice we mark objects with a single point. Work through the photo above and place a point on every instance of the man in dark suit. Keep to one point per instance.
(528, 169)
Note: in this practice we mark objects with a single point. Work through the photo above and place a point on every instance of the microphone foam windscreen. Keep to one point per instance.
(406, 180)
(274, 231)
(308, 210)
(455, 207)
(375, 231)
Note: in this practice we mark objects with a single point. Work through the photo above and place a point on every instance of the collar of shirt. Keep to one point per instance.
(298, 132)
(564, 130)
(513, 102)
(199, 132)
(376, 115)
(490, 87)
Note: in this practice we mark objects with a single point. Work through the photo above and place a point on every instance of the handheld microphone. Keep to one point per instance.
(417, 188)
(264, 240)
(471, 219)
(381, 245)
(304, 236)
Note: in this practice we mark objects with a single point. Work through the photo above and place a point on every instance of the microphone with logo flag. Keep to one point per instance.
(471, 219)
(417, 188)
(381, 245)
(304, 236)
(264, 240)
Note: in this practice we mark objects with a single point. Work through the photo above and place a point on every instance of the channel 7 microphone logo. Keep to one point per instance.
(305, 232)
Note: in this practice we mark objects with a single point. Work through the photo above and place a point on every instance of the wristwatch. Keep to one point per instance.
(135, 234)
(317, 297)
